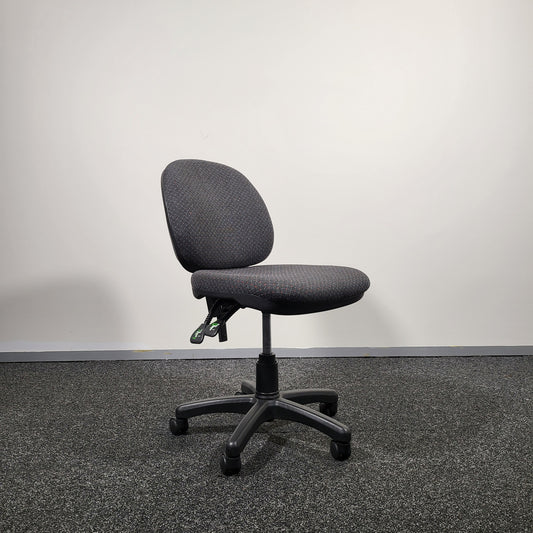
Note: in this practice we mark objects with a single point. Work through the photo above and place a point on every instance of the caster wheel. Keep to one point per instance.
(329, 409)
(178, 426)
(230, 465)
(340, 451)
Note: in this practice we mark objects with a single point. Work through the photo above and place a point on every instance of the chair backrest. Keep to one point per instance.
(215, 216)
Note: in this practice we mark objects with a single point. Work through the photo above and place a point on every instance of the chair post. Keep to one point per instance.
(267, 343)
(266, 382)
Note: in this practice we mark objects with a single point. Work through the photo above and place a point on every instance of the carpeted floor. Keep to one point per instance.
(439, 444)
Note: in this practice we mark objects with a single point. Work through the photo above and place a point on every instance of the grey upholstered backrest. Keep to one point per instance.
(215, 216)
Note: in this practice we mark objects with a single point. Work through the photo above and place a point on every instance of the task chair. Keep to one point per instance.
(220, 227)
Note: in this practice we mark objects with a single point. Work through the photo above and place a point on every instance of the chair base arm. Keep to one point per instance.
(288, 405)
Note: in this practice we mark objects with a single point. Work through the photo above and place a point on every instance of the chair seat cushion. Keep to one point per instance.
(283, 289)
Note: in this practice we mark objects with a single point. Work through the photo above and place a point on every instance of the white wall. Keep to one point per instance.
(394, 136)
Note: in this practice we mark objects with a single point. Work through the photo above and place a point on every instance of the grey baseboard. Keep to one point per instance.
(244, 353)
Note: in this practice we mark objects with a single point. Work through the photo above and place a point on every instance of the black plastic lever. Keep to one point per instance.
(212, 329)
(222, 311)
(198, 336)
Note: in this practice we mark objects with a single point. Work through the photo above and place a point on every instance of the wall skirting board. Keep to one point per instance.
(244, 353)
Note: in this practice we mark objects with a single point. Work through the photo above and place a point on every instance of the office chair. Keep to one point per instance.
(220, 227)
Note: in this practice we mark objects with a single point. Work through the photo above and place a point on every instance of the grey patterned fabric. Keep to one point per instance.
(220, 226)
(215, 216)
(284, 289)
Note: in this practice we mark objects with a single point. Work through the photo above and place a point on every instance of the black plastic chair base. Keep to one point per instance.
(287, 405)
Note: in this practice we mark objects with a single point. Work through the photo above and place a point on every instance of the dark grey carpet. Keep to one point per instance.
(440, 444)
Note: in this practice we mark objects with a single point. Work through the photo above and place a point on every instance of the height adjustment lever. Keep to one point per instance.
(212, 329)
(198, 336)
(222, 311)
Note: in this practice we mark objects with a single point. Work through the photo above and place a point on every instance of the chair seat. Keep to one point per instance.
(283, 289)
